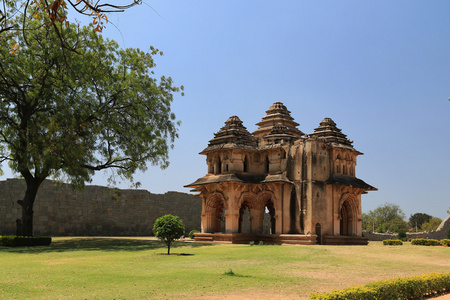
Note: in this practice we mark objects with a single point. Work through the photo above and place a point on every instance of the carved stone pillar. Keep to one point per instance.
(257, 217)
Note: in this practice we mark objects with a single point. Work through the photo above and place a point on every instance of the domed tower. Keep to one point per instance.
(278, 115)
(343, 189)
(226, 151)
(328, 132)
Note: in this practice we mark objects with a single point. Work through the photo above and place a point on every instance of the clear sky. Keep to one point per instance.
(379, 69)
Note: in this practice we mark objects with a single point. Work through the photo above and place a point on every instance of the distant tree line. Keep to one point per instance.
(390, 218)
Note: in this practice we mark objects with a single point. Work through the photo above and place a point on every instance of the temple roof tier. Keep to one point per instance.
(276, 115)
(328, 132)
(337, 179)
(239, 178)
(233, 135)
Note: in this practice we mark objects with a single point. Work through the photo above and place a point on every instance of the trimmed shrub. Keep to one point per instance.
(445, 242)
(414, 287)
(425, 242)
(192, 232)
(23, 241)
(448, 234)
(392, 242)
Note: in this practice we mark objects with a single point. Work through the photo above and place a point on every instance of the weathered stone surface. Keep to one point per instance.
(305, 184)
(59, 210)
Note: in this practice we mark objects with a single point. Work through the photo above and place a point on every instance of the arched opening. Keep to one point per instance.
(220, 219)
(244, 218)
(245, 164)
(346, 219)
(222, 222)
(267, 165)
(319, 233)
(213, 220)
(269, 218)
(219, 166)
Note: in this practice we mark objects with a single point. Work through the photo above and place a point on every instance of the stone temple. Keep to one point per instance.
(279, 185)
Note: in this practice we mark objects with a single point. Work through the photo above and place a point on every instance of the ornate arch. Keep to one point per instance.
(213, 208)
(265, 196)
(214, 201)
(248, 197)
(349, 209)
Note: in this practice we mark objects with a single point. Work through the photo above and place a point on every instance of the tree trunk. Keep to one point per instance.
(168, 249)
(25, 226)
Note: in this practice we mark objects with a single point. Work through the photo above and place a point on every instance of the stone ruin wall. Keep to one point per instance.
(439, 234)
(61, 211)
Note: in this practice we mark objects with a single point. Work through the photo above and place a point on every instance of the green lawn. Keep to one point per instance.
(137, 268)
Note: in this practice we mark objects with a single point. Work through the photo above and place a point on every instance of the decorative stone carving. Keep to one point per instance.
(291, 175)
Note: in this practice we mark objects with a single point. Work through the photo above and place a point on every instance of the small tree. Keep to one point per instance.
(168, 228)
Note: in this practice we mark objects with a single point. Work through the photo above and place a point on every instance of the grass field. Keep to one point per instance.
(137, 268)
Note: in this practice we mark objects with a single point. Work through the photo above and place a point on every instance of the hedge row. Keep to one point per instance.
(392, 242)
(20, 241)
(415, 287)
(430, 242)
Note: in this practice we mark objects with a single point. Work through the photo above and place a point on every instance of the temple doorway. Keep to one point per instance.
(244, 219)
(319, 233)
(346, 219)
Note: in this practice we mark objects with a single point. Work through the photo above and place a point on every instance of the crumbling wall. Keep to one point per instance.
(61, 211)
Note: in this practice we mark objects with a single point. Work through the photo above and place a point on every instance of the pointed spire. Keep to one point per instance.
(277, 114)
(328, 132)
(232, 135)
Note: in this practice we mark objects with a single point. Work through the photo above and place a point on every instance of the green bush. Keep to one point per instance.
(445, 242)
(402, 236)
(192, 232)
(448, 234)
(22, 241)
(392, 242)
(425, 242)
(402, 288)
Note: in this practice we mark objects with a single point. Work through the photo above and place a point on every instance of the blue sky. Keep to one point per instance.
(379, 69)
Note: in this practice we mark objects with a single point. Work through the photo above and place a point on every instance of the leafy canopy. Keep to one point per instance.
(67, 114)
(168, 228)
(56, 11)
(386, 217)
(418, 219)
(432, 224)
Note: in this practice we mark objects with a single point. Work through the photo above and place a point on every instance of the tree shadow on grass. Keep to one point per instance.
(100, 244)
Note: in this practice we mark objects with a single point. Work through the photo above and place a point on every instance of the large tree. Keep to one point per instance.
(417, 219)
(67, 114)
(386, 217)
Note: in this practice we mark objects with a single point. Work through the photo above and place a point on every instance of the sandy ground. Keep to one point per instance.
(250, 296)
